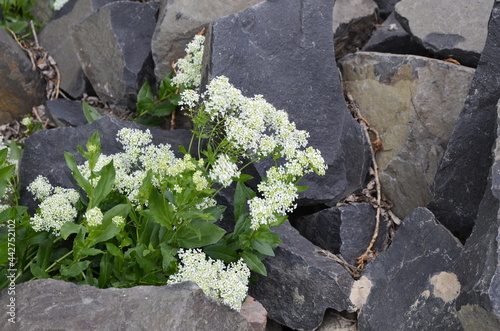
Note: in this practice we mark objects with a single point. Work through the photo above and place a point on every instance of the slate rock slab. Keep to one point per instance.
(44, 150)
(179, 21)
(66, 112)
(283, 50)
(479, 266)
(448, 28)
(114, 49)
(301, 283)
(345, 230)
(461, 179)
(414, 103)
(48, 304)
(411, 286)
(22, 88)
(54, 37)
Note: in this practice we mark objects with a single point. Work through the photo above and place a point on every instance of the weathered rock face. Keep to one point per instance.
(54, 37)
(461, 36)
(22, 88)
(414, 103)
(479, 266)
(345, 230)
(179, 21)
(264, 50)
(412, 280)
(44, 153)
(461, 178)
(48, 304)
(386, 6)
(301, 284)
(66, 112)
(117, 60)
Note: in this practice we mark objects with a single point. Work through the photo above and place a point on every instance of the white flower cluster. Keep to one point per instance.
(94, 217)
(58, 4)
(227, 284)
(189, 67)
(255, 129)
(56, 207)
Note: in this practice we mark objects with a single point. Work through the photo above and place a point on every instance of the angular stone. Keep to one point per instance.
(345, 230)
(48, 304)
(386, 6)
(336, 322)
(283, 50)
(254, 313)
(179, 21)
(479, 266)
(301, 284)
(353, 24)
(54, 37)
(44, 152)
(66, 112)
(390, 37)
(114, 49)
(412, 280)
(414, 103)
(22, 88)
(461, 179)
(448, 28)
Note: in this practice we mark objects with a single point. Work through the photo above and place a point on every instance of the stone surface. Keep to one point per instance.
(336, 322)
(117, 59)
(301, 284)
(44, 152)
(386, 6)
(344, 11)
(479, 266)
(42, 11)
(180, 20)
(48, 304)
(345, 230)
(390, 37)
(264, 50)
(448, 28)
(254, 313)
(461, 178)
(54, 37)
(66, 112)
(414, 103)
(411, 286)
(22, 88)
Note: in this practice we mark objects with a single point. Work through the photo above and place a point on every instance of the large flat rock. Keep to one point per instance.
(284, 51)
(461, 179)
(414, 103)
(48, 304)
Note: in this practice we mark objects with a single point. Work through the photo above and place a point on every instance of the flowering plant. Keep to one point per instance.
(148, 217)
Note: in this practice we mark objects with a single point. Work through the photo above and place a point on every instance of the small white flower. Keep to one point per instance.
(200, 181)
(119, 221)
(189, 67)
(94, 217)
(40, 188)
(223, 170)
(55, 210)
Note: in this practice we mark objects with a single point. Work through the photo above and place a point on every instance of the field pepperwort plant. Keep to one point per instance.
(147, 217)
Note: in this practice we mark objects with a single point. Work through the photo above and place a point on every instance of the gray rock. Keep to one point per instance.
(460, 182)
(448, 28)
(411, 286)
(345, 230)
(414, 103)
(283, 50)
(65, 112)
(114, 49)
(180, 20)
(41, 11)
(390, 37)
(386, 6)
(22, 88)
(479, 266)
(44, 152)
(48, 304)
(301, 284)
(54, 37)
(344, 11)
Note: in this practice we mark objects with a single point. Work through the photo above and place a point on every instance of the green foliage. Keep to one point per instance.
(91, 114)
(17, 15)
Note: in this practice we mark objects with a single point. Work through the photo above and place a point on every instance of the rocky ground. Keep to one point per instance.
(412, 82)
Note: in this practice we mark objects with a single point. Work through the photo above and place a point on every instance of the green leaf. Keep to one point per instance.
(109, 229)
(105, 268)
(90, 113)
(75, 269)
(187, 237)
(168, 255)
(84, 183)
(144, 100)
(221, 252)
(160, 209)
(254, 263)
(267, 236)
(263, 247)
(38, 272)
(104, 186)
(301, 189)
(115, 251)
(43, 253)
(215, 211)
(241, 195)
(69, 228)
(162, 109)
(90, 251)
(243, 178)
